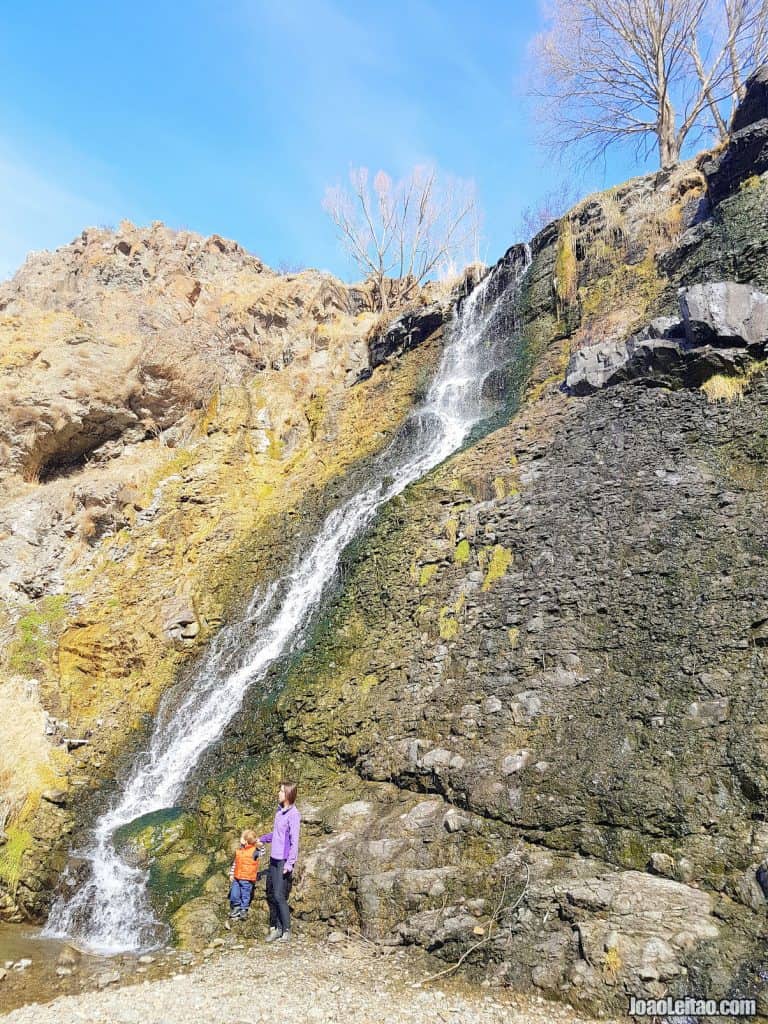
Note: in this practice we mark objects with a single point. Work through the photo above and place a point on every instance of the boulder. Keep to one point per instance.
(55, 796)
(107, 978)
(613, 362)
(180, 620)
(196, 922)
(662, 864)
(725, 314)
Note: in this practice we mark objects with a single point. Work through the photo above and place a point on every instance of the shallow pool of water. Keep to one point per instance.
(44, 978)
(23, 941)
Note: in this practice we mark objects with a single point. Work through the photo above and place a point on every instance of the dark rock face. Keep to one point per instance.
(730, 245)
(732, 242)
(543, 678)
(754, 106)
(747, 152)
(408, 331)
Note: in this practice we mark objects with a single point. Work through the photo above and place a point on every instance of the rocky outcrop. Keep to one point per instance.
(405, 333)
(746, 154)
(726, 315)
(723, 330)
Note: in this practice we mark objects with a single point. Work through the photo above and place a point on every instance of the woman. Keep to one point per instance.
(284, 838)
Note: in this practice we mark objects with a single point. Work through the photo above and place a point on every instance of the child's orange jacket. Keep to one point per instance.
(246, 868)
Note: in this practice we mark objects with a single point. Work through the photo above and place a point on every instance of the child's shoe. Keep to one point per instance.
(274, 933)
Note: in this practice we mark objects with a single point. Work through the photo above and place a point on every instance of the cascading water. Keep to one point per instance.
(109, 911)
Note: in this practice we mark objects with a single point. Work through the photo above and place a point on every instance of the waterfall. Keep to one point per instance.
(109, 910)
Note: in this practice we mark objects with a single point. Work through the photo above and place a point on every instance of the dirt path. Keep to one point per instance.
(348, 982)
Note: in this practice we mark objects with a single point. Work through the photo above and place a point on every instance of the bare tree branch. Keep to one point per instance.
(401, 233)
(612, 69)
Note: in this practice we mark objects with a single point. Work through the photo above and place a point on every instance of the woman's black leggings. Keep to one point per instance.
(274, 919)
(276, 877)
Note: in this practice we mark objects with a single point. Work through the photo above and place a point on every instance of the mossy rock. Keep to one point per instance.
(197, 922)
(154, 834)
(169, 843)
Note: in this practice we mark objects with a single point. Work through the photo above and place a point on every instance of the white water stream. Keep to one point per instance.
(109, 911)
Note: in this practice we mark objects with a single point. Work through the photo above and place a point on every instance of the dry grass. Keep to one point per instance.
(728, 389)
(87, 524)
(27, 761)
(724, 389)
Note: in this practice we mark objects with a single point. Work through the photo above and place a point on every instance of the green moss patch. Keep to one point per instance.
(36, 632)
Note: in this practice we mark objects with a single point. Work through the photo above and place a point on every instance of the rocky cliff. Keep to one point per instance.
(532, 720)
(174, 415)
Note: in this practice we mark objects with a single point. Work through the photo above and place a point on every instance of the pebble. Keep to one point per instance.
(107, 978)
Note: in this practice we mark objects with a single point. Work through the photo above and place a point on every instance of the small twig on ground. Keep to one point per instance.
(353, 931)
(487, 937)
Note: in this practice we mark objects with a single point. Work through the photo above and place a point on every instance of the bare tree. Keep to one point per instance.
(618, 70)
(402, 233)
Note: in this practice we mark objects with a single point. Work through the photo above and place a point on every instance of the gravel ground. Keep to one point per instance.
(347, 982)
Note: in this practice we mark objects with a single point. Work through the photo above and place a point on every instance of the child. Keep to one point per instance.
(243, 874)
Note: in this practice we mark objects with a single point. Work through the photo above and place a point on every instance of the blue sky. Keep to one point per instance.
(234, 117)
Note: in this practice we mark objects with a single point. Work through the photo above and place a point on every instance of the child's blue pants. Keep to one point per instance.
(240, 893)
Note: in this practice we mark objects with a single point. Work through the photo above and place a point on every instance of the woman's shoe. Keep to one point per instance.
(274, 933)
(285, 937)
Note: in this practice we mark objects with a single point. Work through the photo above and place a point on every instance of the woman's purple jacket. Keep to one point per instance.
(285, 836)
